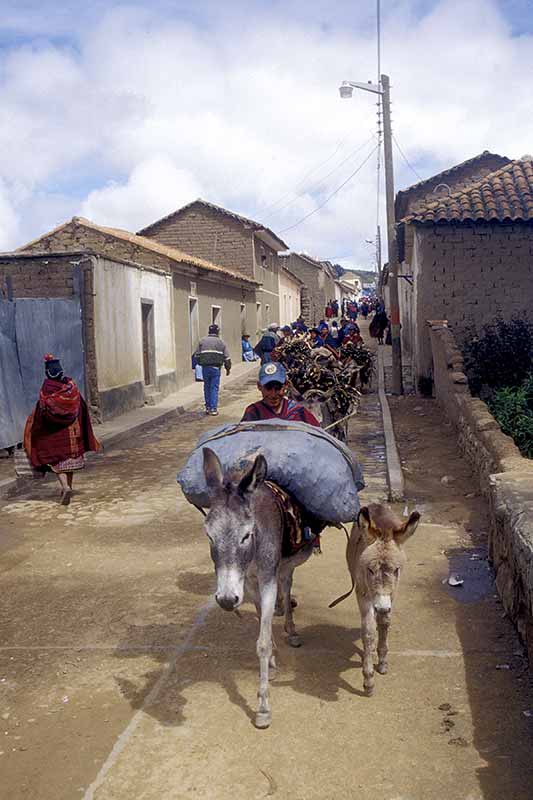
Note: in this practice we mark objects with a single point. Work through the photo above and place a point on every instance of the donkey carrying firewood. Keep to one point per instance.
(245, 530)
(375, 559)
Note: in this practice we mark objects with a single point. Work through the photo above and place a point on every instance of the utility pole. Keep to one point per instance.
(383, 89)
(397, 379)
(378, 254)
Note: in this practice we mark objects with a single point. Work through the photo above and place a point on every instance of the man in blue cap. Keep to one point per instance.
(272, 384)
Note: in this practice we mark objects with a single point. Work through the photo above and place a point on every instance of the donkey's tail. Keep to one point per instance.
(347, 594)
(342, 597)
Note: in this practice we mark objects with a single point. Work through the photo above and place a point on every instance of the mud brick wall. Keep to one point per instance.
(207, 234)
(505, 478)
(58, 276)
(468, 275)
(36, 278)
(74, 237)
(316, 284)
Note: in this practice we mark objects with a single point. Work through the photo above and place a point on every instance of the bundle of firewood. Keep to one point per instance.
(326, 376)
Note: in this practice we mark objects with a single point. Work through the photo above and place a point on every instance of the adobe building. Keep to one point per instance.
(216, 234)
(123, 312)
(318, 279)
(290, 295)
(466, 256)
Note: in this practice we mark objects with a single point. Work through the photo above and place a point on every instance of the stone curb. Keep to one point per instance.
(394, 467)
(10, 486)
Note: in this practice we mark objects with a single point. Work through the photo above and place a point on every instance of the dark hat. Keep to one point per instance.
(273, 371)
(287, 328)
(214, 329)
(52, 366)
(245, 335)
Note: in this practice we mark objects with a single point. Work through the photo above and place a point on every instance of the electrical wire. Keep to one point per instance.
(263, 209)
(314, 187)
(406, 159)
(337, 190)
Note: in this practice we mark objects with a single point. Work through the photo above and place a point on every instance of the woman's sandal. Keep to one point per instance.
(66, 495)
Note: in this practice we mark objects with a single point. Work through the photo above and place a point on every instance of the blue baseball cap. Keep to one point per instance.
(273, 371)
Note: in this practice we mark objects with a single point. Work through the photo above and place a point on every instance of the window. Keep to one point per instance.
(216, 316)
(243, 318)
(267, 314)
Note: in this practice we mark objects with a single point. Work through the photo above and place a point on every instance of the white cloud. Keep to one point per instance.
(9, 223)
(154, 188)
(167, 105)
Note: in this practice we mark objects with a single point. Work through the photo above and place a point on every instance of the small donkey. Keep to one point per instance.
(375, 558)
(245, 530)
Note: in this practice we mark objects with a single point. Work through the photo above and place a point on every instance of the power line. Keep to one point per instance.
(263, 209)
(406, 159)
(317, 185)
(337, 190)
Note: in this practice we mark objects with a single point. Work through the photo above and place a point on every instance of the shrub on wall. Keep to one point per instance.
(499, 356)
(513, 409)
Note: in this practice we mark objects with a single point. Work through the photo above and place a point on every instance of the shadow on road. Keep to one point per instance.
(225, 649)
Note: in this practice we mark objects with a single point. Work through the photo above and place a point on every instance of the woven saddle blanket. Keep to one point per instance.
(293, 536)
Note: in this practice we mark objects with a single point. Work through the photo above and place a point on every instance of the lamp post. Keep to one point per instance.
(383, 90)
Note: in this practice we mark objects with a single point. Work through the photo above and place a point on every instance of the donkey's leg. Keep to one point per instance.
(368, 628)
(280, 610)
(268, 590)
(286, 585)
(384, 621)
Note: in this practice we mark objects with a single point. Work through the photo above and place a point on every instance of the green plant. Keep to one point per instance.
(513, 409)
(500, 355)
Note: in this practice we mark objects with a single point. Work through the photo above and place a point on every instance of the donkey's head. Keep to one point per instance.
(230, 525)
(382, 559)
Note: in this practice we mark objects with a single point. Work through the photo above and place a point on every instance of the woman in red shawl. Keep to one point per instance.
(59, 430)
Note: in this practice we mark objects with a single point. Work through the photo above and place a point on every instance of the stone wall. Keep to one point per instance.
(505, 478)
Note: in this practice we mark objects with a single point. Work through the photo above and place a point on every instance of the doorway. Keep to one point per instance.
(194, 324)
(148, 341)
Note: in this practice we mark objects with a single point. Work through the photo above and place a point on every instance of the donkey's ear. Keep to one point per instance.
(254, 475)
(406, 531)
(365, 524)
(212, 470)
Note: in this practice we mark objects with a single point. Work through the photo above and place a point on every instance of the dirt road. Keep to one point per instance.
(119, 679)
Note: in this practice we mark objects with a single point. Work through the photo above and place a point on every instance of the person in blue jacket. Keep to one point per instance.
(247, 349)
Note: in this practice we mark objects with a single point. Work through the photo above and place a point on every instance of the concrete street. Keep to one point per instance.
(120, 679)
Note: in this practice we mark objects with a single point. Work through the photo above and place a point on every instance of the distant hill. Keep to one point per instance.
(366, 275)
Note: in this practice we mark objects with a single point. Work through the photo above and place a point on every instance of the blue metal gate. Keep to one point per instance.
(28, 329)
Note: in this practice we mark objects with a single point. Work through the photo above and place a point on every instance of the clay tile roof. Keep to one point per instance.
(492, 160)
(502, 196)
(250, 223)
(147, 244)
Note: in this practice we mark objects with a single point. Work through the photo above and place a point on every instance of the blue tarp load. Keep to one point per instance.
(320, 472)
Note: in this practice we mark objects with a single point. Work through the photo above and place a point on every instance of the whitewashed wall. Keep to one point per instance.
(118, 325)
(289, 298)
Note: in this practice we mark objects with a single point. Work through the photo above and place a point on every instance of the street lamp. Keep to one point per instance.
(383, 90)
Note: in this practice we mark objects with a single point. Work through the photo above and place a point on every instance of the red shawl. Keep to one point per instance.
(60, 425)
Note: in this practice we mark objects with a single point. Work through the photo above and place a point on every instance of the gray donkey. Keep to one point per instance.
(245, 529)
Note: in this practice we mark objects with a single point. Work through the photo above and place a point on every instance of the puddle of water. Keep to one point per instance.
(471, 566)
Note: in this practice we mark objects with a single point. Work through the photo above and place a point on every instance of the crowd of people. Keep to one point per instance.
(328, 332)
(212, 353)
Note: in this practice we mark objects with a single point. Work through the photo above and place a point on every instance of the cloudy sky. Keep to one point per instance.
(123, 112)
